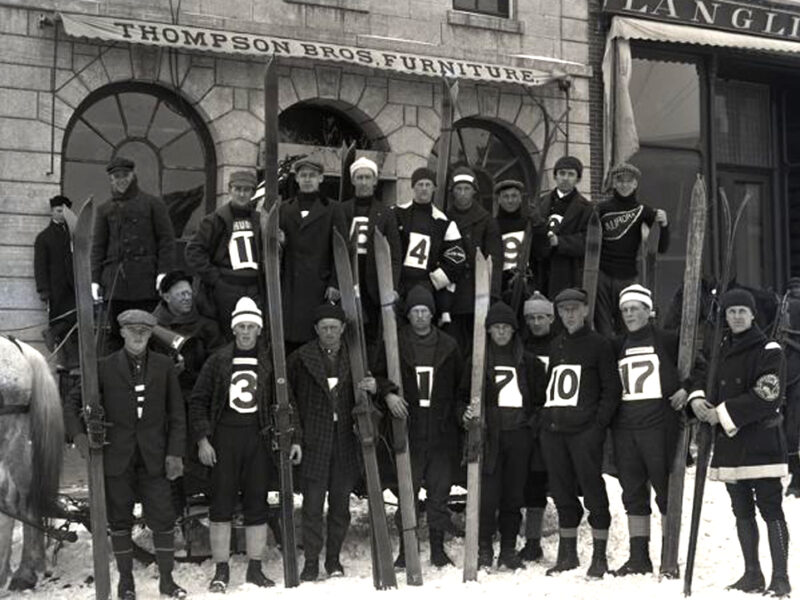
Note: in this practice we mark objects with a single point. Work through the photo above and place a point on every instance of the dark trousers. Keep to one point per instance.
(244, 464)
(642, 459)
(433, 468)
(226, 295)
(135, 483)
(535, 490)
(576, 459)
(607, 318)
(767, 494)
(338, 488)
(501, 490)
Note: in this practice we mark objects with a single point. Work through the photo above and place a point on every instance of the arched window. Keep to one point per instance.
(155, 128)
(492, 152)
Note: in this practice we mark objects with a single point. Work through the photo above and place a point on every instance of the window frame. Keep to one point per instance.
(477, 11)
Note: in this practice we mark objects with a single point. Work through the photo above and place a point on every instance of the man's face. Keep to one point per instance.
(364, 182)
(420, 317)
(241, 194)
(635, 315)
(739, 318)
(794, 290)
(136, 338)
(246, 335)
(539, 323)
(120, 180)
(625, 184)
(178, 298)
(501, 333)
(463, 194)
(57, 213)
(566, 180)
(308, 179)
(329, 331)
(573, 314)
(423, 191)
(510, 199)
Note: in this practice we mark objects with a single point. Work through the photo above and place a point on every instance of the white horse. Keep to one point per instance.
(31, 444)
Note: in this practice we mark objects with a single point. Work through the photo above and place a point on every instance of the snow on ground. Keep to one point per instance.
(718, 564)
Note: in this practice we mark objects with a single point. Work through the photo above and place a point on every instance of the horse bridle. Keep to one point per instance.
(13, 409)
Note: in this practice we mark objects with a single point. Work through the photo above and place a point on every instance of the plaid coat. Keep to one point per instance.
(314, 404)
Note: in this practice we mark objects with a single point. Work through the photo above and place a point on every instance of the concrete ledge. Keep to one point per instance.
(465, 19)
(361, 6)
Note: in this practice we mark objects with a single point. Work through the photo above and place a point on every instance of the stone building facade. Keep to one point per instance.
(191, 116)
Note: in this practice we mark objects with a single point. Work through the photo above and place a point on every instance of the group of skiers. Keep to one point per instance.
(557, 382)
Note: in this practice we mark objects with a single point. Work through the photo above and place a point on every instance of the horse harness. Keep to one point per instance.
(13, 409)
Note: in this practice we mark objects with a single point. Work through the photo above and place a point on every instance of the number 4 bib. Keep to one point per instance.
(564, 386)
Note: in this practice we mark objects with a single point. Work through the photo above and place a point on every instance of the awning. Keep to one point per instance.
(184, 37)
(620, 138)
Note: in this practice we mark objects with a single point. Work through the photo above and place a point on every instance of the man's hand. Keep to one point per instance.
(281, 237)
(467, 416)
(97, 292)
(206, 453)
(553, 239)
(678, 400)
(332, 294)
(705, 411)
(661, 217)
(397, 406)
(174, 467)
(159, 278)
(180, 363)
(81, 442)
(369, 385)
(296, 454)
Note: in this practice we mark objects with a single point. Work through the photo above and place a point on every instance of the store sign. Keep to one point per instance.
(228, 42)
(729, 15)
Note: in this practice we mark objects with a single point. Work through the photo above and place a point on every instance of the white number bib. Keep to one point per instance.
(242, 393)
(564, 386)
(640, 376)
(241, 251)
(424, 385)
(358, 232)
(512, 243)
(419, 248)
(508, 394)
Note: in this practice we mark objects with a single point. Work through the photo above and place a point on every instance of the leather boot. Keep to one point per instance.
(400, 561)
(439, 557)
(753, 579)
(164, 542)
(778, 535)
(638, 562)
(122, 546)
(485, 554)
(567, 558)
(508, 555)
(222, 576)
(599, 566)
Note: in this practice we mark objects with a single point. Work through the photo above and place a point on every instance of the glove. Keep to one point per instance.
(174, 467)
(159, 277)
(97, 292)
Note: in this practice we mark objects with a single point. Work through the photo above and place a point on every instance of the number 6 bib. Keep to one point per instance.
(564, 386)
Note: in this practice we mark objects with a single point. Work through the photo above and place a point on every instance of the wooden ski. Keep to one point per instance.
(474, 448)
(690, 311)
(448, 109)
(382, 565)
(348, 156)
(402, 452)
(650, 258)
(93, 412)
(283, 408)
(591, 263)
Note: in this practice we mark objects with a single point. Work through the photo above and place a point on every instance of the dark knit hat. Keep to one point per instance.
(537, 304)
(509, 183)
(120, 162)
(172, 278)
(463, 174)
(571, 295)
(500, 312)
(738, 297)
(134, 316)
(420, 296)
(329, 311)
(569, 162)
(60, 201)
(422, 173)
(624, 168)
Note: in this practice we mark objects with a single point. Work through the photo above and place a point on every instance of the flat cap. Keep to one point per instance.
(571, 295)
(509, 183)
(134, 316)
(120, 162)
(308, 161)
(243, 177)
(329, 311)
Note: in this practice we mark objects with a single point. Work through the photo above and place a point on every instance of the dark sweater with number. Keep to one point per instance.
(512, 229)
(621, 218)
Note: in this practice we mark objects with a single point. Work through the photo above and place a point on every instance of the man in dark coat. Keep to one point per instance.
(431, 245)
(319, 376)
(749, 444)
(559, 238)
(230, 413)
(478, 230)
(363, 214)
(133, 245)
(308, 277)
(513, 395)
(431, 369)
(583, 392)
(55, 283)
(513, 222)
(226, 251)
(791, 343)
(145, 444)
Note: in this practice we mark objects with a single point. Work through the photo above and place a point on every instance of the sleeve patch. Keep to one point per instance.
(768, 387)
(455, 254)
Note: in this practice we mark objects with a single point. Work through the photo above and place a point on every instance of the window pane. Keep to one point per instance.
(148, 171)
(86, 144)
(138, 111)
(84, 179)
(183, 152)
(741, 118)
(489, 7)
(666, 102)
(104, 116)
(167, 125)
